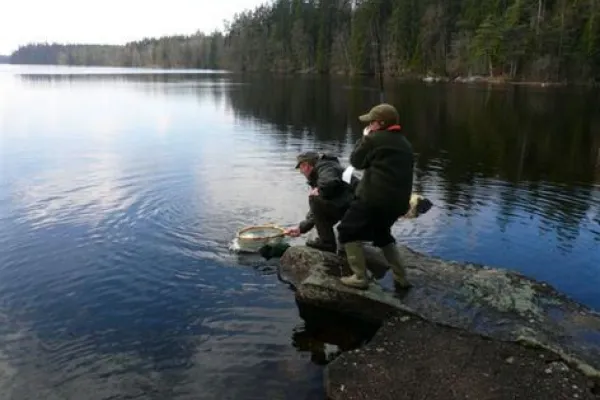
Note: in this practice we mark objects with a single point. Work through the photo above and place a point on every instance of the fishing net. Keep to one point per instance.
(252, 238)
(260, 233)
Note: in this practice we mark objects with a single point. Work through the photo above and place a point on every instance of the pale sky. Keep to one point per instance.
(110, 21)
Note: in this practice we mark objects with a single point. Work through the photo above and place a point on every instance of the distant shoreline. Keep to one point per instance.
(501, 81)
(424, 78)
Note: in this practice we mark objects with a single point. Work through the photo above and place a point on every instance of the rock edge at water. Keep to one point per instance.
(413, 359)
(486, 302)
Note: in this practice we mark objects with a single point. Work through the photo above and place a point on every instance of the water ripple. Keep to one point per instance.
(115, 275)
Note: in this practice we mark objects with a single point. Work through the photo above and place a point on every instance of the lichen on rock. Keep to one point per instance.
(504, 292)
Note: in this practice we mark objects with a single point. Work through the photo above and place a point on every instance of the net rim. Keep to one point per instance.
(248, 228)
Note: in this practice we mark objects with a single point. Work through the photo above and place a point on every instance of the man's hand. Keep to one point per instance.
(314, 192)
(293, 232)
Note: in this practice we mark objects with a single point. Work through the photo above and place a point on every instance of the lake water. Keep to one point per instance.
(121, 190)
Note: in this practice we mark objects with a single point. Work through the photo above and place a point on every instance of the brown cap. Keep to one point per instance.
(382, 112)
(310, 157)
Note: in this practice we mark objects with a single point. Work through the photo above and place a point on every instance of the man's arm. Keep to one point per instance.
(308, 223)
(359, 158)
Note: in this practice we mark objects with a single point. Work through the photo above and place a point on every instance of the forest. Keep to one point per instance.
(535, 40)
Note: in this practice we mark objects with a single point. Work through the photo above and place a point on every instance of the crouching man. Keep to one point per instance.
(328, 199)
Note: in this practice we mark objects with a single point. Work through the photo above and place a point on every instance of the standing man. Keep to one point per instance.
(328, 199)
(382, 196)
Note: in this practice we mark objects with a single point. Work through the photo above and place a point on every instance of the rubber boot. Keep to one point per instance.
(326, 240)
(357, 263)
(393, 257)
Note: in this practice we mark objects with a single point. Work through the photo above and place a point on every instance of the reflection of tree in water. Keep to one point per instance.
(324, 334)
(516, 136)
(320, 107)
(507, 210)
(471, 138)
(561, 209)
(595, 148)
(149, 77)
(564, 210)
(596, 225)
(497, 134)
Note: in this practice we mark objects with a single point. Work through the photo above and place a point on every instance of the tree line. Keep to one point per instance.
(195, 51)
(549, 40)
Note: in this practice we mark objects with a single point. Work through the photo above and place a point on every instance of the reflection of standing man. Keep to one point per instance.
(383, 194)
(328, 198)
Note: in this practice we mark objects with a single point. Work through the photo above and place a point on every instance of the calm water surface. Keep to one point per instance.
(120, 192)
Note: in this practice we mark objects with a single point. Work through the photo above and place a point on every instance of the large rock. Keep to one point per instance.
(316, 274)
(409, 358)
(492, 302)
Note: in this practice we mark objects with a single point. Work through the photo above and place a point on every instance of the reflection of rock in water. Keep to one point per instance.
(262, 266)
(497, 303)
(327, 334)
(254, 260)
(270, 266)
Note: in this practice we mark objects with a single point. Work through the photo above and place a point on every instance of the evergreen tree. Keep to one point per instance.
(516, 39)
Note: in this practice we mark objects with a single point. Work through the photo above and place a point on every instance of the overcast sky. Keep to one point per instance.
(109, 21)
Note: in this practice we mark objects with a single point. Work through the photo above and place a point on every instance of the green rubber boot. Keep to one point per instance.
(357, 263)
(393, 257)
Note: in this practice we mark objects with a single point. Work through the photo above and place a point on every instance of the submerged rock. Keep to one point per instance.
(492, 302)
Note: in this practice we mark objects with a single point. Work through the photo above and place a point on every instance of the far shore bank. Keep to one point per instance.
(499, 80)
(471, 79)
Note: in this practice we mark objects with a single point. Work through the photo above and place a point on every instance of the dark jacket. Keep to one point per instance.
(387, 159)
(327, 176)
